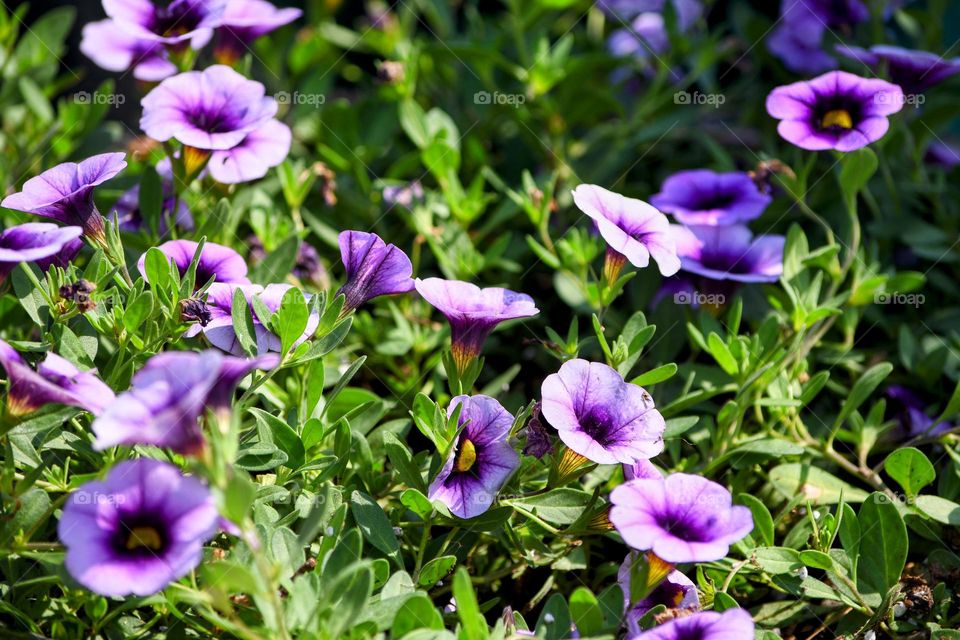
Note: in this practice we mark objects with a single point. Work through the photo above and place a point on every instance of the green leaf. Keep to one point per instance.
(416, 613)
(137, 312)
(243, 323)
(762, 520)
(290, 320)
(157, 268)
(151, 199)
(436, 570)
(585, 611)
(940, 509)
(911, 469)
(284, 436)
(468, 609)
(279, 263)
(560, 506)
(777, 560)
(818, 486)
(656, 376)
(858, 167)
(816, 559)
(721, 353)
(862, 389)
(884, 542)
(374, 524)
(230, 577)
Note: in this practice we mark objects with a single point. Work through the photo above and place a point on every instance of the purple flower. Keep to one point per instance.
(480, 461)
(911, 414)
(246, 20)
(676, 591)
(261, 150)
(646, 35)
(802, 26)
(473, 313)
(837, 110)
(219, 329)
(732, 624)
(687, 11)
(632, 229)
(373, 268)
(641, 469)
(913, 71)
(729, 253)
(600, 416)
(216, 261)
(32, 242)
(307, 266)
(169, 395)
(680, 518)
(943, 155)
(538, 442)
(169, 23)
(56, 381)
(114, 48)
(137, 531)
(211, 110)
(65, 193)
(710, 198)
(403, 195)
(127, 207)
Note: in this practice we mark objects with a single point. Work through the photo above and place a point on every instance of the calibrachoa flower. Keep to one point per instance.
(169, 395)
(641, 469)
(473, 313)
(56, 381)
(732, 624)
(216, 261)
(706, 197)
(911, 412)
(687, 11)
(114, 48)
(676, 591)
(138, 530)
(632, 229)
(246, 20)
(913, 71)
(942, 155)
(169, 23)
(32, 242)
(65, 193)
(803, 24)
(729, 253)
(680, 518)
(480, 461)
(261, 150)
(219, 329)
(601, 416)
(837, 110)
(373, 268)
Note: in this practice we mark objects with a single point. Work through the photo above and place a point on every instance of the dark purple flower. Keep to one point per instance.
(65, 193)
(56, 381)
(373, 268)
(216, 261)
(169, 395)
(261, 150)
(538, 442)
(601, 416)
(126, 210)
(943, 155)
(913, 71)
(480, 461)
(138, 530)
(676, 591)
(911, 412)
(680, 518)
(33, 242)
(798, 38)
(729, 253)
(219, 329)
(473, 313)
(732, 624)
(632, 229)
(246, 20)
(169, 23)
(687, 11)
(706, 197)
(646, 36)
(114, 48)
(837, 110)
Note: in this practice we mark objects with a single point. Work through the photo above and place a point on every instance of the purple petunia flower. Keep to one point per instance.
(680, 518)
(632, 229)
(33, 242)
(216, 261)
(942, 155)
(169, 23)
(911, 412)
(480, 461)
(56, 381)
(913, 71)
(373, 268)
(601, 416)
(706, 197)
(837, 110)
(646, 36)
(641, 469)
(65, 193)
(114, 48)
(169, 395)
(219, 330)
(687, 11)
(798, 38)
(126, 210)
(729, 253)
(732, 624)
(473, 313)
(138, 530)
(261, 150)
(246, 20)
(676, 591)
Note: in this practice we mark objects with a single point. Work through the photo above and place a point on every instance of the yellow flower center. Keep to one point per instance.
(466, 457)
(144, 537)
(837, 118)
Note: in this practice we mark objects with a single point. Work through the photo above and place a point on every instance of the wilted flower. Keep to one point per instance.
(79, 293)
(65, 193)
(676, 591)
(32, 242)
(480, 461)
(56, 381)
(538, 442)
(798, 38)
(168, 396)
(680, 518)
(246, 20)
(706, 197)
(732, 624)
(137, 531)
(837, 110)
(729, 253)
(473, 313)
(601, 416)
(216, 261)
(632, 229)
(373, 268)
(913, 71)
